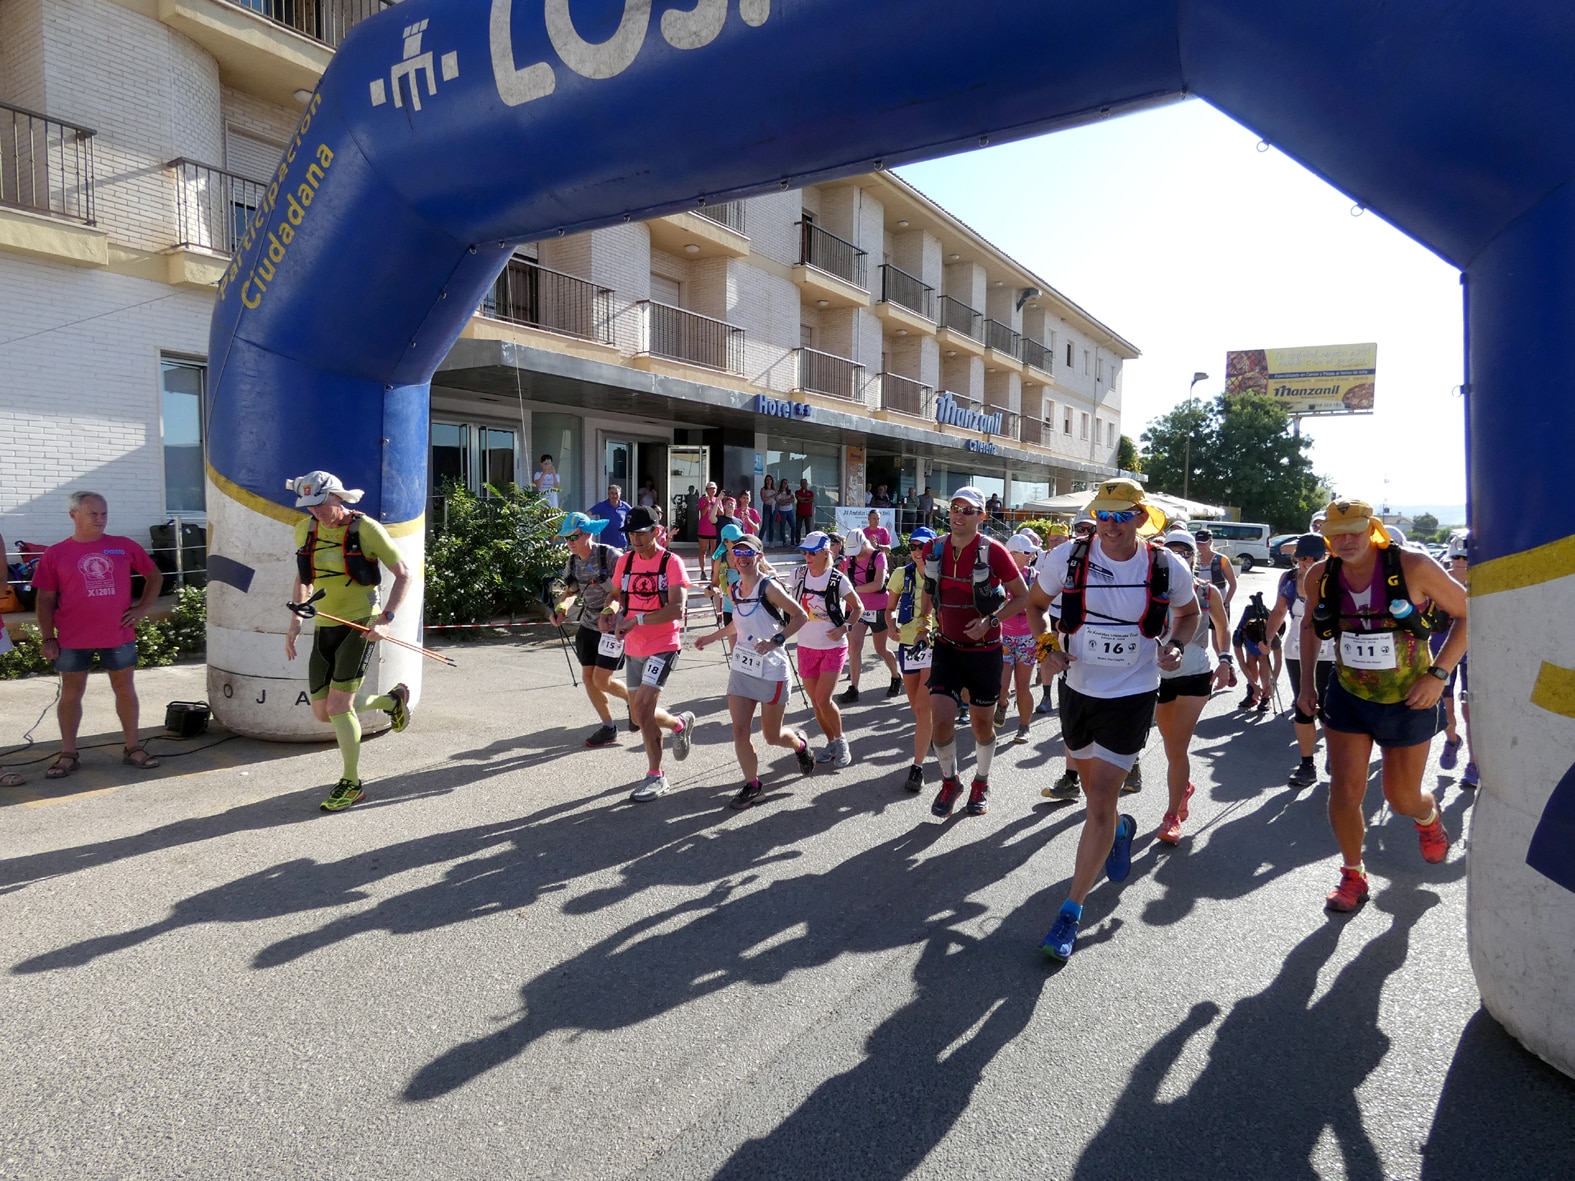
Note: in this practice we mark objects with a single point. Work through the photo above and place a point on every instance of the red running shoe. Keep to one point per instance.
(979, 798)
(1350, 893)
(946, 798)
(1186, 808)
(1170, 829)
(1435, 841)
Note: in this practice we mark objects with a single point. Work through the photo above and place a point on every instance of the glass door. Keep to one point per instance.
(686, 477)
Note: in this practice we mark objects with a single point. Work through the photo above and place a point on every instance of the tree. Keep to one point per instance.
(1127, 457)
(1424, 527)
(1241, 453)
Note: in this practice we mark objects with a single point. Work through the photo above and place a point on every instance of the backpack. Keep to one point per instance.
(1327, 614)
(662, 557)
(358, 567)
(771, 608)
(1155, 615)
(988, 595)
(832, 595)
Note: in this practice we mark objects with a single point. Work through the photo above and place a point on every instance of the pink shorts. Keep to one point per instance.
(817, 662)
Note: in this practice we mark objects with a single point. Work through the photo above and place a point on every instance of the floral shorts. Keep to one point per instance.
(1018, 650)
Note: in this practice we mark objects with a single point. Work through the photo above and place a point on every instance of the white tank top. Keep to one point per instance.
(754, 623)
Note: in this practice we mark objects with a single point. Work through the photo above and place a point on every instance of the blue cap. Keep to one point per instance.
(729, 533)
(580, 523)
(814, 542)
(920, 535)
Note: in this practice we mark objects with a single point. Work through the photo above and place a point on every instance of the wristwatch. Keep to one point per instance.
(388, 617)
(1441, 673)
(779, 639)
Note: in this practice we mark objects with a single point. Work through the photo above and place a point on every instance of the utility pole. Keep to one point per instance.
(1186, 470)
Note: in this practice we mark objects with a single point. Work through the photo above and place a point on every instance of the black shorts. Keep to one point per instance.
(339, 658)
(1388, 724)
(587, 641)
(1195, 685)
(977, 670)
(879, 625)
(1321, 675)
(1119, 724)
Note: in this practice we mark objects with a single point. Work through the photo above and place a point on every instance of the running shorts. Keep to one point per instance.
(1111, 728)
(636, 667)
(1019, 650)
(818, 662)
(977, 670)
(339, 658)
(756, 688)
(587, 641)
(1388, 724)
(110, 660)
(1193, 685)
(1321, 676)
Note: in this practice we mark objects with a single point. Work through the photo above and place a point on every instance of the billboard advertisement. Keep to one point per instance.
(1322, 379)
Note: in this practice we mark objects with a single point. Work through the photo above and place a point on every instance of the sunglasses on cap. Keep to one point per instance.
(637, 532)
(1118, 516)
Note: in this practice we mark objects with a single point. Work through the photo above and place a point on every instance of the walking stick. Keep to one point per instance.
(306, 610)
(550, 597)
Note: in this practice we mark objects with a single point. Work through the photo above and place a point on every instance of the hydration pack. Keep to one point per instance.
(771, 608)
(988, 594)
(832, 595)
(358, 567)
(662, 556)
(1327, 615)
(907, 600)
(1156, 614)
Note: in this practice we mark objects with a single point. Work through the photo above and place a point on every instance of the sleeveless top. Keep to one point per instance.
(754, 623)
(1366, 610)
(1197, 657)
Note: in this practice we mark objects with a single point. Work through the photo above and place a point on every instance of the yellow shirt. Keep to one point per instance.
(346, 598)
(908, 632)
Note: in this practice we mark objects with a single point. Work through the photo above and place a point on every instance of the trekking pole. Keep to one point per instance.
(307, 610)
(563, 637)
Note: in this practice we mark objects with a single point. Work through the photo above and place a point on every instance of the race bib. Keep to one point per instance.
(912, 661)
(610, 646)
(655, 666)
(747, 661)
(1110, 647)
(1368, 650)
(868, 617)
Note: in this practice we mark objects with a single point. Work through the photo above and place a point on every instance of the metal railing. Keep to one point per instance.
(1010, 422)
(322, 20)
(1001, 338)
(728, 213)
(959, 317)
(529, 293)
(824, 251)
(46, 164)
(902, 289)
(822, 373)
(1036, 354)
(686, 336)
(212, 207)
(906, 396)
(1036, 431)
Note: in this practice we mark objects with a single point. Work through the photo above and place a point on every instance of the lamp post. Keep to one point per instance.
(1186, 470)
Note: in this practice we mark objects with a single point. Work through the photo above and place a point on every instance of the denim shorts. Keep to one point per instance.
(110, 660)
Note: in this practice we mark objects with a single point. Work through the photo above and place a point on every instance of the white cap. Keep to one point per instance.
(971, 494)
(1021, 543)
(316, 487)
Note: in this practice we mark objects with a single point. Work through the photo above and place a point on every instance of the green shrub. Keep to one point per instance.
(159, 641)
(490, 556)
(26, 657)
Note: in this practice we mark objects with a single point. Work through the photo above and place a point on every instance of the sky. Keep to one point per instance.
(1171, 227)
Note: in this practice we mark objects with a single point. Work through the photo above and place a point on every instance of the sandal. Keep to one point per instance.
(11, 779)
(146, 763)
(65, 763)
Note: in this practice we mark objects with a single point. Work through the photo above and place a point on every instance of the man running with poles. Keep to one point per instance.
(586, 579)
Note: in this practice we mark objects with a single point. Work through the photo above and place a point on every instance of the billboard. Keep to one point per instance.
(1322, 379)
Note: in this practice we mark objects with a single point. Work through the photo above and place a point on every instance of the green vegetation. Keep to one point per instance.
(159, 641)
(489, 556)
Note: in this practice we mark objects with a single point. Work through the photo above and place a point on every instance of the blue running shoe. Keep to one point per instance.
(1063, 933)
(1450, 754)
(1119, 864)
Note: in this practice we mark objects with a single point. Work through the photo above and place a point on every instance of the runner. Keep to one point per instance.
(1019, 654)
(341, 552)
(1258, 648)
(1460, 571)
(1291, 603)
(645, 609)
(1373, 599)
(828, 598)
(913, 657)
(869, 569)
(586, 578)
(1185, 690)
(1216, 568)
(764, 617)
(1058, 533)
(1116, 603)
(970, 583)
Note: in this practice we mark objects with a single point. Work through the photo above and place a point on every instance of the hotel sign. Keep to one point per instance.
(949, 413)
(782, 408)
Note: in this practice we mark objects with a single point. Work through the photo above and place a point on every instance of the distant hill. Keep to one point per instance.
(1447, 514)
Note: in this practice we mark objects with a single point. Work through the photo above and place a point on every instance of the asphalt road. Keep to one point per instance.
(496, 966)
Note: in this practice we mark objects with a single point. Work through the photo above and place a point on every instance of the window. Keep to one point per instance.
(1049, 411)
(473, 454)
(1099, 369)
(1110, 434)
(1066, 420)
(668, 291)
(1069, 357)
(1085, 362)
(1099, 429)
(183, 383)
(1083, 426)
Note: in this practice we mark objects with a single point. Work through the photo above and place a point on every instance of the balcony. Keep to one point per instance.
(677, 335)
(822, 373)
(1037, 432)
(322, 20)
(46, 165)
(830, 271)
(729, 214)
(212, 207)
(905, 303)
(1003, 345)
(530, 294)
(711, 231)
(959, 326)
(906, 396)
(1037, 355)
(1011, 422)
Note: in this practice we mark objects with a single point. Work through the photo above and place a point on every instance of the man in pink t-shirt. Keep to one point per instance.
(645, 610)
(85, 608)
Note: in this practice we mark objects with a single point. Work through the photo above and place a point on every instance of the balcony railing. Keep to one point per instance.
(1035, 431)
(1001, 338)
(1010, 422)
(822, 373)
(323, 20)
(824, 251)
(728, 213)
(528, 293)
(906, 396)
(46, 164)
(959, 317)
(685, 336)
(901, 288)
(1036, 354)
(212, 207)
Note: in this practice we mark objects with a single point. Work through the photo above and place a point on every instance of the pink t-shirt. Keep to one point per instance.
(92, 582)
(645, 594)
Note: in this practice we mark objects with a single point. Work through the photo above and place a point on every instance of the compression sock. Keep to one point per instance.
(347, 729)
(373, 701)
(948, 758)
(982, 755)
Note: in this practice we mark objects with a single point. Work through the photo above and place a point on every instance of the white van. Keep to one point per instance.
(1242, 541)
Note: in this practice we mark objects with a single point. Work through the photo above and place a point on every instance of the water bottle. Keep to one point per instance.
(1406, 616)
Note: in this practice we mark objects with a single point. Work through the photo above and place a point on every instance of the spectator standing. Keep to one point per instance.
(707, 529)
(927, 508)
(615, 511)
(804, 510)
(748, 518)
(784, 511)
(546, 481)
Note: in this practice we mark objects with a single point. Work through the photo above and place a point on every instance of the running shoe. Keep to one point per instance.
(978, 798)
(400, 714)
(1450, 755)
(653, 785)
(1302, 775)
(747, 795)
(1263, 705)
(915, 780)
(1065, 788)
(1119, 863)
(1469, 777)
(1435, 840)
(685, 737)
(806, 761)
(1134, 780)
(633, 729)
(1022, 733)
(895, 688)
(1000, 713)
(345, 793)
(1350, 893)
(1250, 700)
(1186, 803)
(827, 752)
(603, 734)
(848, 696)
(843, 756)
(946, 798)
(1170, 829)
(1044, 706)
(1063, 933)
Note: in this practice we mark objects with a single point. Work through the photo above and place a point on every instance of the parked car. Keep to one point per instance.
(1282, 550)
(1244, 542)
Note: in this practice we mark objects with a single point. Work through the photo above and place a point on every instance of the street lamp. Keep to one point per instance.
(1186, 471)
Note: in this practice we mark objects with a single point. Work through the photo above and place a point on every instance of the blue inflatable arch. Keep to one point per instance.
(445, 130)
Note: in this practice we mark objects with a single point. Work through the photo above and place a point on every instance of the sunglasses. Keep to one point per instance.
(966, 510)
(574, 537)
(745, 552)
(1118, 516)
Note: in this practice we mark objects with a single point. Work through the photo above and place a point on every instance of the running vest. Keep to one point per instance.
(1327, 616)
(1217, 571)
(662, 556)
(907, 604)
(760, 597)
(988, 594)
(1156, 614)
(832, 595)
(358, 567)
